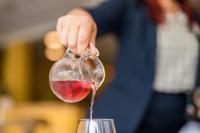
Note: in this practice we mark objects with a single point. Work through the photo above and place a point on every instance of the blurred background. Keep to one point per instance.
(27, 104)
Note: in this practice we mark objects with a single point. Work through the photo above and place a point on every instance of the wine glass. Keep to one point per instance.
(96, 126)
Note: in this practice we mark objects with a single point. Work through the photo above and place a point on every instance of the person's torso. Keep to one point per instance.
(136, 64)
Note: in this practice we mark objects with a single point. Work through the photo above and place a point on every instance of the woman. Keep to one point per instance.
(157, 60)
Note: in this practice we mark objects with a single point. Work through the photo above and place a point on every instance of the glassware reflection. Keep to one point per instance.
(96, 126)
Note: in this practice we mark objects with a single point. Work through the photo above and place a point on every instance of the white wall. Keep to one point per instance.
(31, 19)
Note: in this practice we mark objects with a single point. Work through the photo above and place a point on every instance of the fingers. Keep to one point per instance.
(64, 35)
(59, 25)
(78, 32)
(73, 37)
(92, 42)
(84, 37)
(60, 30)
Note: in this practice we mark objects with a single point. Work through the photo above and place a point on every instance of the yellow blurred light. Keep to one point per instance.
(54, 54)
(55, 45)
(52, 41)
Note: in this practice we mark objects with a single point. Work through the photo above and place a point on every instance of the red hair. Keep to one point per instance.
(156, 12)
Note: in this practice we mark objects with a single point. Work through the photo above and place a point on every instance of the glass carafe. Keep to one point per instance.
(72, 77)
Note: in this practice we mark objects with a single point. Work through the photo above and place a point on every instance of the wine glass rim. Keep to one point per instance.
(97, 119)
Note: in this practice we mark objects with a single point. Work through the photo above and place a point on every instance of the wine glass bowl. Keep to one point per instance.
(96, 126)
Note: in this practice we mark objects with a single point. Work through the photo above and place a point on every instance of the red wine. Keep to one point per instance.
(71, 90)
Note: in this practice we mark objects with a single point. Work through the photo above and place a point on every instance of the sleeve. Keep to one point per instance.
(108, 15)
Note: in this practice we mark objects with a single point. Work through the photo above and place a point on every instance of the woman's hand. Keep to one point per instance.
(77, 30)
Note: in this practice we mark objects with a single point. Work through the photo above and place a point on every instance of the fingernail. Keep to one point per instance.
(80, 51)
(97, 52)
(74, 50)
(93, 52)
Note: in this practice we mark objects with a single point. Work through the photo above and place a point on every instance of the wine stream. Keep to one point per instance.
(94, 89)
